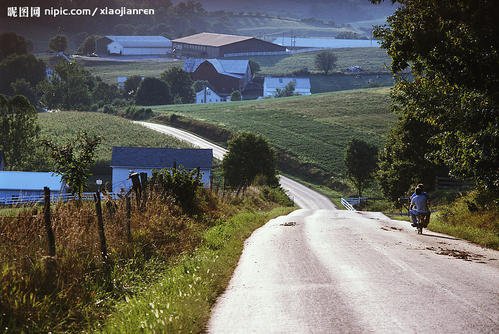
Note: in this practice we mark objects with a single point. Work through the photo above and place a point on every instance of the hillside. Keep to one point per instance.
(314, 129)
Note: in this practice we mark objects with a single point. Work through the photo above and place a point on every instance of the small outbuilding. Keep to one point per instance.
(133, 45)
(271, 84)
(145, 159)
(18, 185)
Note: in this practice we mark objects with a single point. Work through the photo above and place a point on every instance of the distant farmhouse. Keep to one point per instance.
(133, 45)
(224, 76)
(14, 185)
(210, 45)
(207, 95)
(145, 159)
(271, 84)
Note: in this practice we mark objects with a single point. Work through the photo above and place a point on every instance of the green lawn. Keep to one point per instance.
(314, 128)
(115, 131)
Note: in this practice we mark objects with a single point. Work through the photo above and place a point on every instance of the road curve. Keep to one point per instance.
(303, 196)
(321, 270)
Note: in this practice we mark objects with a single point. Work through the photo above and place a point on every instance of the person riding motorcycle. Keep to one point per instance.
(419, 207)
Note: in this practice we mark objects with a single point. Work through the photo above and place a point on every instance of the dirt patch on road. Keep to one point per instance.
(458, 254)
(289, 224)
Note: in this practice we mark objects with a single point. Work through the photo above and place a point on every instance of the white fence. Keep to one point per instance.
(23, 200)
(347, 205)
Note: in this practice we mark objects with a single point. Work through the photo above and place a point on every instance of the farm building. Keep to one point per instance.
(133, 45)
(144, 159)
(224, 76)
(210, 45)
(271, 84)
(14, 185)
(207, 95)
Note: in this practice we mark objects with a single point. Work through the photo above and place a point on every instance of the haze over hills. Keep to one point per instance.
(339, 11)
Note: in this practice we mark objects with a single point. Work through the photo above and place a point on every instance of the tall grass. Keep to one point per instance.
(80, 291)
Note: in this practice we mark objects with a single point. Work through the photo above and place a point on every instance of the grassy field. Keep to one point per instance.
(314, 128)
(109, 70)
(115, 131)
(370, 59)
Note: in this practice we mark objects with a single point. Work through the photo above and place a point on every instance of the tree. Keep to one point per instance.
(254, 66)
(361, 162)
(18, 122)
(153, 91)
(325, 61)
(104, 92)
(70, 88)
(88, 45)
(199, 85)
(74, 159)
(58, 43)
(249, 156)
(288, 90)
(10, 43)
(24, 88)
(131, 85)
(17, 67)
(180, 83)
(235, 96)
(453, 54)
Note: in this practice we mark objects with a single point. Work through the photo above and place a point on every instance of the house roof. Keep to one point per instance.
(155, 157)
(211, 39)
(142, 41)
(233, 68)
(30, 181)
(208, 89)
(281, 82)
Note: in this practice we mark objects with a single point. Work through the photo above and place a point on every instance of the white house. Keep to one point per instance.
(134, 45)
(207, 95)
(22, 184)
(271, 84)
(145, 159)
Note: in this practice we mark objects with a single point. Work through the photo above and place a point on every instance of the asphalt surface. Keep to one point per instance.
(322, 270)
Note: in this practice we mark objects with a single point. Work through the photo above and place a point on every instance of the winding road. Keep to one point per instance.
(323, 270)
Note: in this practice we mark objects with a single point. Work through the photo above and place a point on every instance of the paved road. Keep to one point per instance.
(321, 270)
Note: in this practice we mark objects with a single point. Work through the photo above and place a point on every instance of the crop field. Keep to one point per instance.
(115, 131)
(314, 128)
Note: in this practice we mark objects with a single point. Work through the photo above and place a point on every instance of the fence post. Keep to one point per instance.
(100, 225)
(48, 224)
(128, 205)
(143, 183)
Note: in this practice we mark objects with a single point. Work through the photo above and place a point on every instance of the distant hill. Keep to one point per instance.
(339, 11)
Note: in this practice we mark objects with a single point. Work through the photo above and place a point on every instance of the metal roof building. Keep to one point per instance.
(26, 184)
(133, 45)
(211, 45)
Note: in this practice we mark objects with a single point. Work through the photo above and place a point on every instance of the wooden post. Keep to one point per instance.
(136, 187)
(48, 224)
(100, 225)
(143, 183)
(128, 205)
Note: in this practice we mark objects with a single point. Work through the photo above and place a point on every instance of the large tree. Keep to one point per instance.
(361, 163)
(325, 61)
(249, 156)
(58, 43)
(452, 50)
(18, 123)
(180, 83)
(153, 91)
(16, 67)
(10, 43)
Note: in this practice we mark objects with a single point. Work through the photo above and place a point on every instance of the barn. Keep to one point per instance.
(144, 159)
(18, 185)
(133, 45)
(224, 75)
(210, 45)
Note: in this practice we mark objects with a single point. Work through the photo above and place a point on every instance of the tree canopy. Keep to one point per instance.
(249, 156)
(180, 83)
(10, 43)
(325, 61)
(452, 50)
(153, 91)
(361, 162)
(58, 43)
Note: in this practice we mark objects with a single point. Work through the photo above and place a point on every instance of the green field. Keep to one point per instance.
(313, 128)
(109, 71)
(115, 131)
